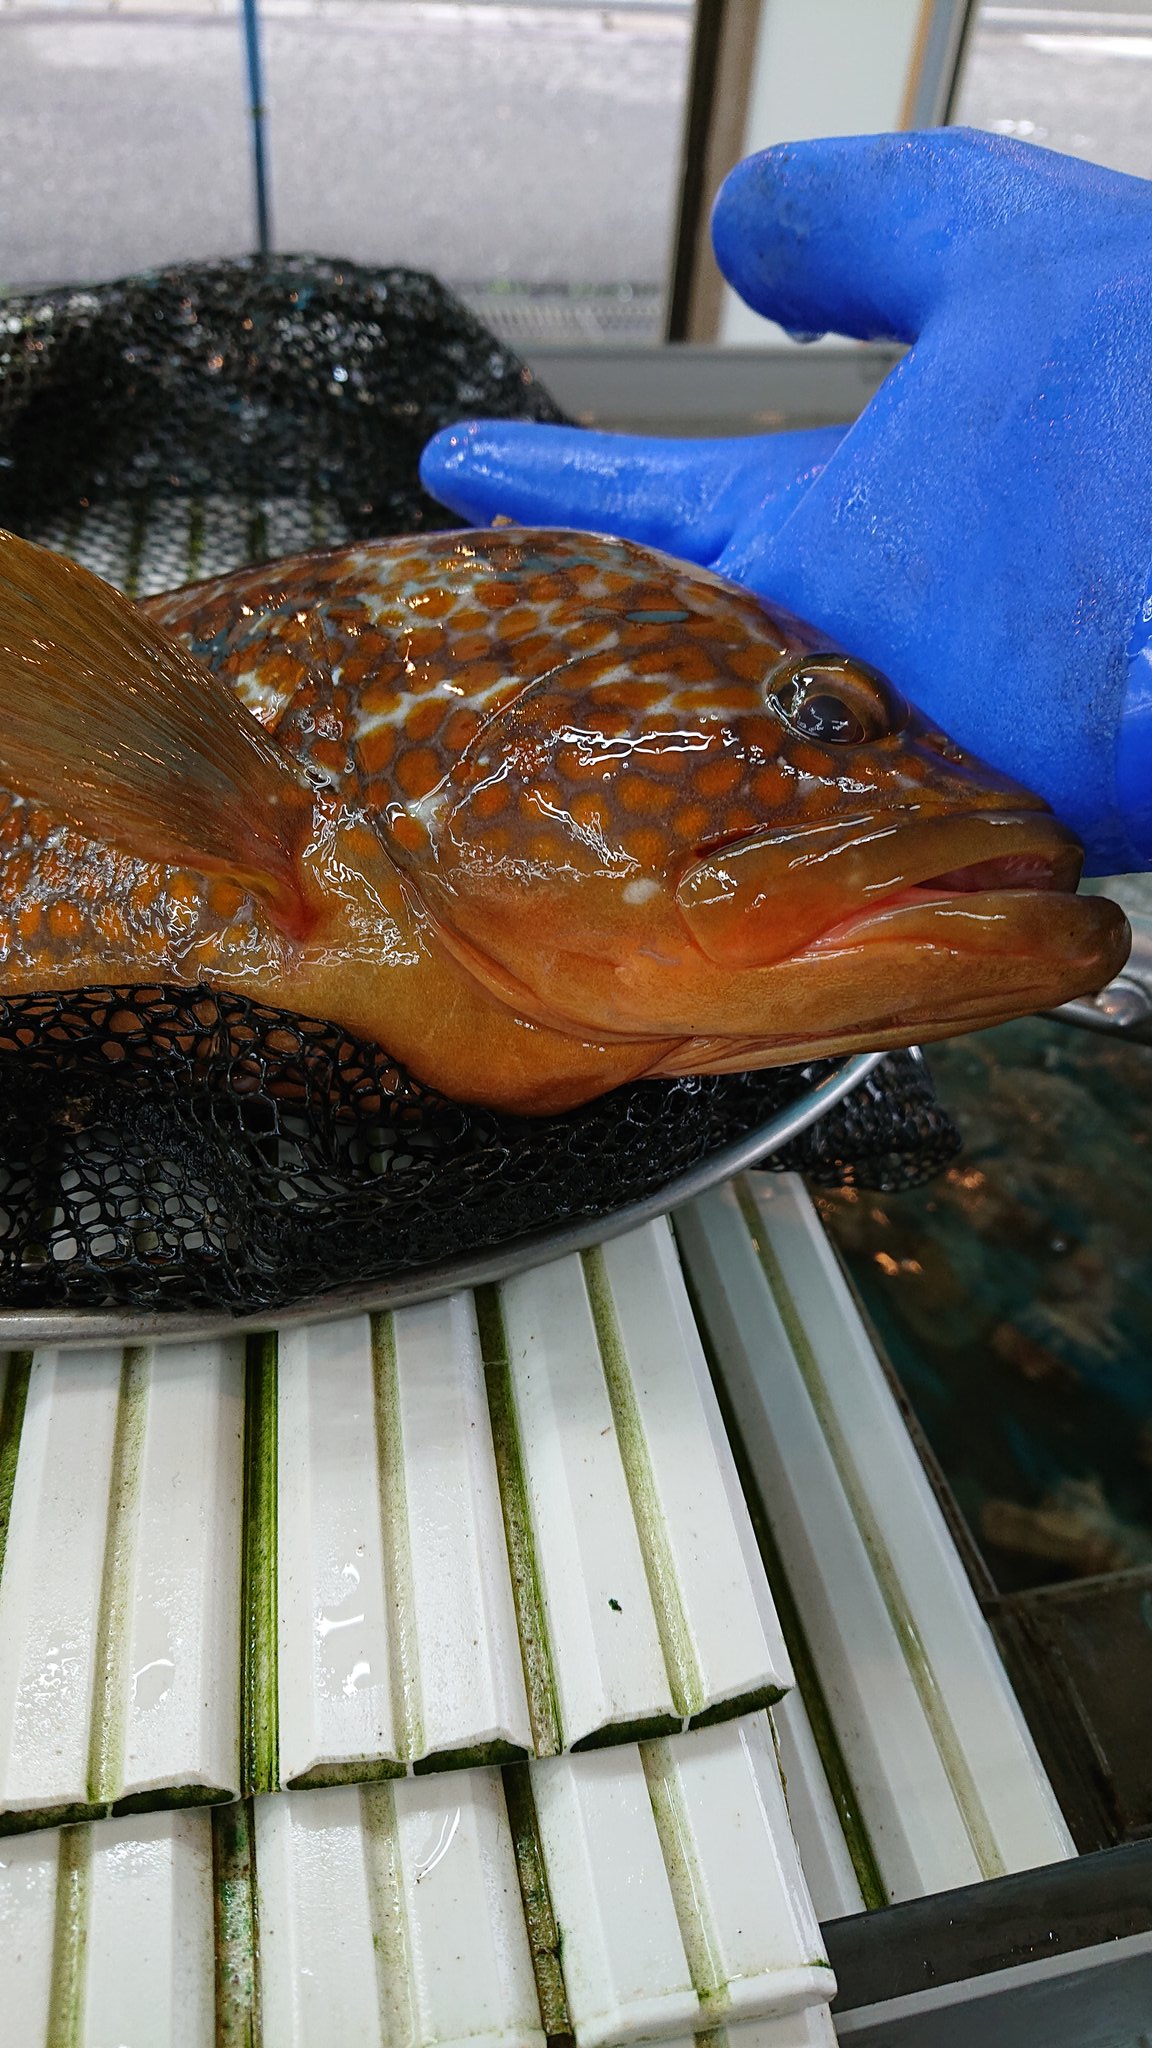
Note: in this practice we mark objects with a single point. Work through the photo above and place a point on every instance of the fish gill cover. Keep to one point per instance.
(185, 1149)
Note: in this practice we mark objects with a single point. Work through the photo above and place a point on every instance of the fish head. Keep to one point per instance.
(704, 823)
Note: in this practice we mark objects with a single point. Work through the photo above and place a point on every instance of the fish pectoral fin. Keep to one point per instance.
(111, 724)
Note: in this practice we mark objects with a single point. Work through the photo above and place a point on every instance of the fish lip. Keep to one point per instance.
(927, 908)
(1044, 858)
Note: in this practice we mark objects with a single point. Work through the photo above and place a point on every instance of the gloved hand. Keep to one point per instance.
(983, 533)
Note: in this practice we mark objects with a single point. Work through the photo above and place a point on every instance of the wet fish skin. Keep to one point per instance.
(559, 811)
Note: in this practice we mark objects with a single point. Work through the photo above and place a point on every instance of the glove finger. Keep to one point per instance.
(686, 496)
(859, 235)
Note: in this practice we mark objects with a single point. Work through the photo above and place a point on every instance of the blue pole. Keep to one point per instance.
(256, 100)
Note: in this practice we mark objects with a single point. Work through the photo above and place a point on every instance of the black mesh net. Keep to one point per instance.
(293, 383)
(183, 1149)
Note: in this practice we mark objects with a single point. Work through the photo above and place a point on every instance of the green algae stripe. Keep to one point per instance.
(956, 1766)
(65, 2027)
(527, 1593)
(11, 1423)
(407, 1693)
(683, 1667)
(737, 1705)
(644, 1729)
(172, 1799)
(858, 1841)
(236, 1926)
(33, 1820)
(545, 1936)
(388, 1916)
(690, 1896)
(363, 1770)
(259, 1730)
(472, 1756)
(114, 1620)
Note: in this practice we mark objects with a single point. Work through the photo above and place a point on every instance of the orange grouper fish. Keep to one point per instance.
(537, 812)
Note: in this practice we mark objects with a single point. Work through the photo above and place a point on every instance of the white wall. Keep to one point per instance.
(822, 67)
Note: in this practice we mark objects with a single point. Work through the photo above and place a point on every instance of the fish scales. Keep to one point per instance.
(538, 811)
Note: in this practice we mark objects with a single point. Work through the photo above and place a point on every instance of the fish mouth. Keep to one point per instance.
(1051, 868)
(884, 936)
(771, 895)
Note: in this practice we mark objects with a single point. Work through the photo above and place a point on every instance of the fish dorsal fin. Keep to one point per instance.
(110, 723)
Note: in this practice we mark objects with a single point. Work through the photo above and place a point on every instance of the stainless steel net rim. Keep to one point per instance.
(24, 1329)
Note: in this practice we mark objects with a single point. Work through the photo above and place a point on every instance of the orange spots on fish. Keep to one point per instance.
(65, 922)
(143, 898)
(489, 801)
(470, 619)
(435, 604)
(472, 677)
(357, 670)
(536, 652)
(737, 697)
(184, 890)
(760, 737)
(578, 764)
(809, 761)
(753, 663)
(498, 597)
(608, 722)
(681, 663)
(587, 811)
(717, 776)
(633, 696)
(739, 819)
(225, 897)
(519, 622)
(768, 787)
(28, 919)
(423, 721)
(418, 770)
(459, 730)
(469, 647)
(421, 642)
(642, 797)
(111, 927)
(381, 700)
(542, 716)
(17, 871)
(647, 844)
(545, 589)
(282, 673)
(376, 749)
(691, 822)
(669, 755)
(330, 754)
(408, 832)
(547, 795)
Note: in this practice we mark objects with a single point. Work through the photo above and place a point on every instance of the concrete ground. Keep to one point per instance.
(481, 140)
(534, 146)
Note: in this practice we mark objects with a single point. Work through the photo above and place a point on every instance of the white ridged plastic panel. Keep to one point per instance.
(425, 1913)
(932, 1750)
(474, 1530)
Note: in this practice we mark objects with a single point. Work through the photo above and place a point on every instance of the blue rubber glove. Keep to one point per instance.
(983, 533)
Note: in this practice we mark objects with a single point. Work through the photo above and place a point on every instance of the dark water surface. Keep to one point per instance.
(1014, 1298)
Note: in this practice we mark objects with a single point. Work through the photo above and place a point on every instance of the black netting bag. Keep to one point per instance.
(183, 1149)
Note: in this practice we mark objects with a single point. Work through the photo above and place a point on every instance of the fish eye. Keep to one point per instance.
(835, 700)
